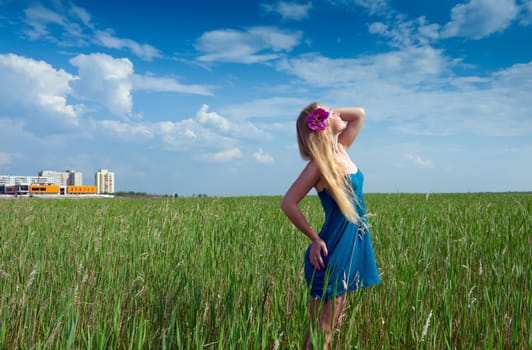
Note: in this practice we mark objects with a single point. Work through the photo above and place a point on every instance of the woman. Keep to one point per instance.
(340, 258)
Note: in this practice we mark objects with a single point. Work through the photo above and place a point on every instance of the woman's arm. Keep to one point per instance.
(299, 189)
(354, 117)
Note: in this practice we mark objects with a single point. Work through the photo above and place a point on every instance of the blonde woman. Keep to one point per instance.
(340, 258)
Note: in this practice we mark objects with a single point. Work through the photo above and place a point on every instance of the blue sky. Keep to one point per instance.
(194, 97)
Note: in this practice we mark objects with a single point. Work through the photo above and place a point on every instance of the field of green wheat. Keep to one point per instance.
(227, 273)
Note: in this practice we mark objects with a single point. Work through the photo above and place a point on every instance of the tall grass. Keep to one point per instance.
(226, 273)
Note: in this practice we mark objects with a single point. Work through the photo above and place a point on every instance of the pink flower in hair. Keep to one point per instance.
(316, 121)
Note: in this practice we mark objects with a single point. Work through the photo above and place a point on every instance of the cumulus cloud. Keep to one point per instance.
(262, 157)
(182, 135)
(36, 91)
(214, 119)
(192, 135)
(34, 88)
(110, 81)
(477, 19)
(236, 128)
(205, 131)
(255, 45)
(104, 79)
(208, 135)
(288, 10)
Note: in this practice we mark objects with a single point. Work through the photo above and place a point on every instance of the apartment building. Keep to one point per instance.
(64, 178)
(105, 181)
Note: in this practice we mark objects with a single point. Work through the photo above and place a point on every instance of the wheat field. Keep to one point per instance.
(227, 273)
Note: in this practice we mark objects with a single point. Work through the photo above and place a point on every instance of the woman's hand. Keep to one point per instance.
(318, 250)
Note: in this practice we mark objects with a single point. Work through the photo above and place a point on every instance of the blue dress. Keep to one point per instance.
(351, 262)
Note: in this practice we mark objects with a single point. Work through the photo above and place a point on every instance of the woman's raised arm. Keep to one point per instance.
(354, 116)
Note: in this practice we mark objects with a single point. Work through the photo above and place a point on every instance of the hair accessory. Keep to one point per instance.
(316, 121)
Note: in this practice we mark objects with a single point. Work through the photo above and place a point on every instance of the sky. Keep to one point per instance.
(201, 97)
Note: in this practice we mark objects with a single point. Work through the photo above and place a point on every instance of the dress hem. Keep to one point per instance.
(342, 292)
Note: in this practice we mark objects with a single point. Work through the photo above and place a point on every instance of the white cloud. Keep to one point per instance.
(288, 10)
(190, 134)
(180, 135)
(403, 33)
(38, 148)
(477, 19)
(262, 157)
(237, 128)
(409, 66)
(213, 118)
(183, 135)
(36, 91)
(206, 131)
(526, 13)
(104, 79)
(257, 44)
(417, 161)
(378, 28)
(518, 77)
(416, 89)
(474, 19)
(76, 29)
(373, 6)
(223, 156)
(274, 38)
(81, 14)
(110, 81)
(6, 158)
(165, 84)
(109, 40)
(415, 128)
(32, 88)
(266, 108)
(39, 17)
(66, 31)
(128, 130)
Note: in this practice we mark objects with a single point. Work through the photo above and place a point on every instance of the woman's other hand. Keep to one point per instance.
(318, 251)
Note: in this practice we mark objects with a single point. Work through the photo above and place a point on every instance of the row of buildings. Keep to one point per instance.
(104, 181)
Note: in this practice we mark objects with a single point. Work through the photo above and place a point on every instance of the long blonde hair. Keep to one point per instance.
(319, 147)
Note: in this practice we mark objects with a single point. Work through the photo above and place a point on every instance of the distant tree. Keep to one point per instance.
(131, 194)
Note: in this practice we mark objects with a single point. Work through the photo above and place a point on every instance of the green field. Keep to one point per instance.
(227, 273)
